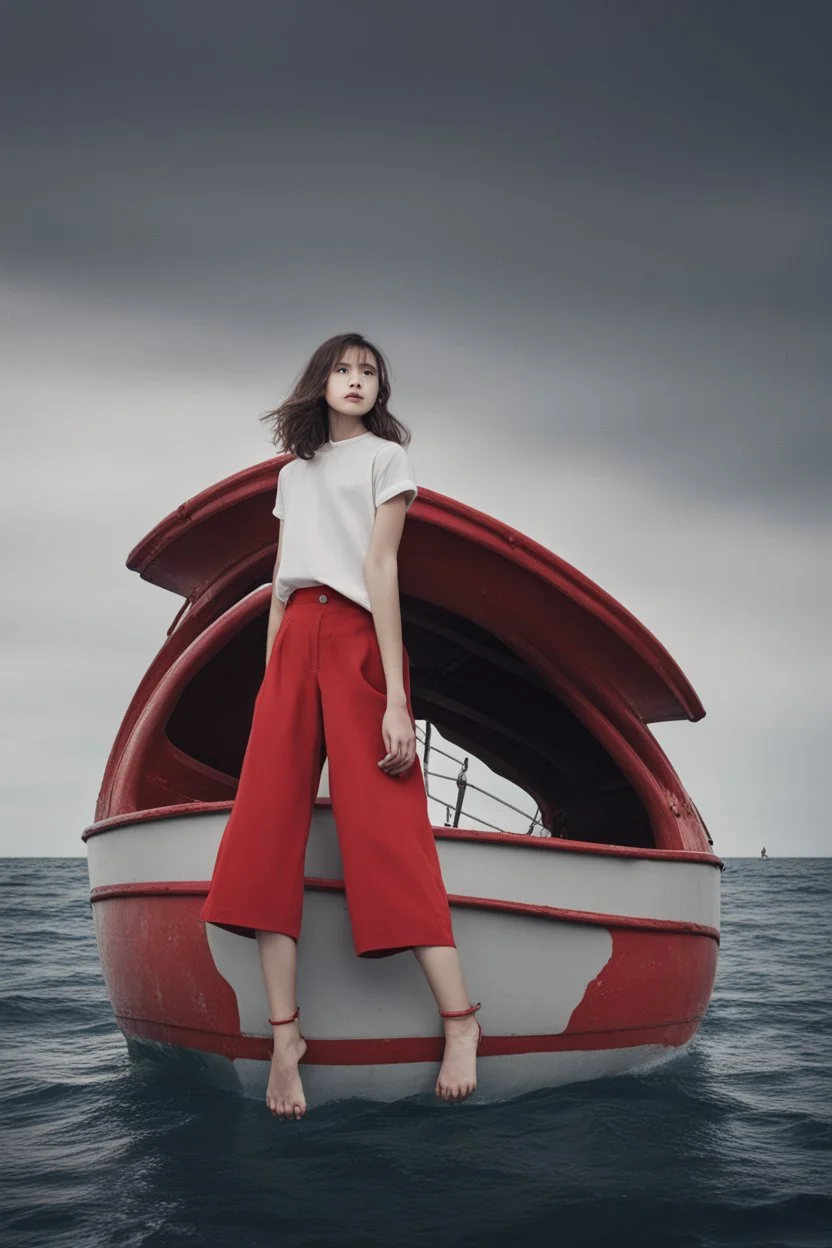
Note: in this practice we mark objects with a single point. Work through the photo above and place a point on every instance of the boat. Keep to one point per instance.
(587, 919)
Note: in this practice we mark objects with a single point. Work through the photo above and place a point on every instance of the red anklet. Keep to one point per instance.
(275, 1022)
(472, 1009)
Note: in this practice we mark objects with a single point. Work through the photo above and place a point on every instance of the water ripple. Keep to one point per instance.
(730, 1144)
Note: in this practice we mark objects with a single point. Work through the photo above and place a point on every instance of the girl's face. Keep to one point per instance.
(354, 373)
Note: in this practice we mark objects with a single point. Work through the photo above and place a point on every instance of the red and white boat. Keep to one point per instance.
(590, 935)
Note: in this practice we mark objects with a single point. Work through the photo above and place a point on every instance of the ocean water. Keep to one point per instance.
(729, 1144)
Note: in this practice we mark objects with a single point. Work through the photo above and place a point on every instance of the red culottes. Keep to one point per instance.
(324, 695)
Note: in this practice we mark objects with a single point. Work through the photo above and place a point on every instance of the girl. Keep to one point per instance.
(337, 681)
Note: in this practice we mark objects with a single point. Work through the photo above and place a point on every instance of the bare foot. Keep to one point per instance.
(458, 1075)
(284, 1095)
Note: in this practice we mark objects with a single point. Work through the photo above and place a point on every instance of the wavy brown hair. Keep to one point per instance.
(300, 424)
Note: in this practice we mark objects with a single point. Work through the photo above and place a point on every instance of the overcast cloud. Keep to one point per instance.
(593, 239)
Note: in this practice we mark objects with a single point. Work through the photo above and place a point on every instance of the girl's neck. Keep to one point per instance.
(340, 429)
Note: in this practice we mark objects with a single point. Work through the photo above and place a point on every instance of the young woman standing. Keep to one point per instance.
(337, 679)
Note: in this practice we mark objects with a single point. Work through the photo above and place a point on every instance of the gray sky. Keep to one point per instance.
(593, 240)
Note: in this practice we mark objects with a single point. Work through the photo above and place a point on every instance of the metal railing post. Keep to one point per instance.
(463, 785)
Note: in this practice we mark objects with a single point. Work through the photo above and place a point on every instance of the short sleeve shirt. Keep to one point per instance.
(327, 506)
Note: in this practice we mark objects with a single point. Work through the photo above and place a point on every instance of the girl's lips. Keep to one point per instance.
(357, 397)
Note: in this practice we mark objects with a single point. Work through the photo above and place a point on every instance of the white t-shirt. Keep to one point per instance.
(327, 506)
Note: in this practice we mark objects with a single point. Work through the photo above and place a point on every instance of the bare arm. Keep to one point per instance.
(381, 574)
(277, 610)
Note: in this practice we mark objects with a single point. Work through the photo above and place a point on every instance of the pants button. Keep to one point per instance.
(322, 598)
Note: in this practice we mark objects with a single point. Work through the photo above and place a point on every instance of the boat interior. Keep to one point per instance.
(468, 686)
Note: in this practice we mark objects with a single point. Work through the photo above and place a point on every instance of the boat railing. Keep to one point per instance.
(535, 827)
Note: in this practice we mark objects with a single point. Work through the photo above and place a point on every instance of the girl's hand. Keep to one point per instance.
(399, 735)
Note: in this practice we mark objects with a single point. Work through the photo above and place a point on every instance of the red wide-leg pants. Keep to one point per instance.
(324, 687)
